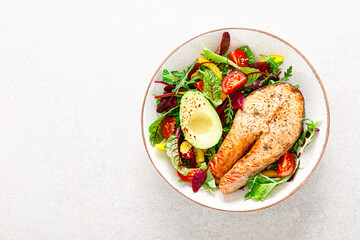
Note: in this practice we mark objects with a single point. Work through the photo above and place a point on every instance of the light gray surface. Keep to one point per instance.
(73, 76)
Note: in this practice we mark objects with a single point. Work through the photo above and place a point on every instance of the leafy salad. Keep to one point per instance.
(218, 82)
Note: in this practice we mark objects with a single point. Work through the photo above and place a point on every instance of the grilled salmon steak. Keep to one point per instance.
(271, 118)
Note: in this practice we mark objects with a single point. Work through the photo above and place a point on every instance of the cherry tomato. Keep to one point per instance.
(200, 86)
(190, 175)
(168, 127)
(239, 57)
(233, 81)
(286, 165)
(189, 154)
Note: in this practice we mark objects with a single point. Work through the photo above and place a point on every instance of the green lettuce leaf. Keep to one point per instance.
(155, 131)
(212, 87)
(172, 150)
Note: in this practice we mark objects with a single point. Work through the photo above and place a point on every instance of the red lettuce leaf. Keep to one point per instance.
(221, 113)
(198, 180)
(262, 66)
(193, 161)
(193, 70)
(224, 44)
(166, 104)
(237, 99)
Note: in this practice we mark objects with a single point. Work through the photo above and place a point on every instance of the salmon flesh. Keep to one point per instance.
(271, 122)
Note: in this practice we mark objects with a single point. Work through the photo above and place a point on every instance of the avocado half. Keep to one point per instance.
(199, 121)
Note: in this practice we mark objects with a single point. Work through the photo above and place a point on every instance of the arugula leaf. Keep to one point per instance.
(155, 131)
(229, 113)
(184, 78)
(172, 150)
(168, 78)
(275, 66)
(210, 153)
(247, 51)
(307, 136)
(287, 74)
(212, 87)
(286, 77)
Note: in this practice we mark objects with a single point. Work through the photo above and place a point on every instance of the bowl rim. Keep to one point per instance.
(308, 63)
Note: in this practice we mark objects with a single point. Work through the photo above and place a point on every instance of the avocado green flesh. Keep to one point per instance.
(199, 121)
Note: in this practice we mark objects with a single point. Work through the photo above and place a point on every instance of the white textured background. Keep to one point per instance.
(72, 79)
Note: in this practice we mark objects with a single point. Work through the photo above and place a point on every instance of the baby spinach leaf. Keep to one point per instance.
(247, 51)
(172, 150)
(260, 186)
(212, 87)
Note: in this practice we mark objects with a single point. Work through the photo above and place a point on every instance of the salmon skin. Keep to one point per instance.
(271, 118)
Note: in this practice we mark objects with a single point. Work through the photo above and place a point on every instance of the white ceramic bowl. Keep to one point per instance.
(316, 108)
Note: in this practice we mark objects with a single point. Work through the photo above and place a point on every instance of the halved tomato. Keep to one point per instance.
(286, 165)
(239, 57)
(168, 127)
(232, 82)
(189, 154)
(200, 86)
(190, 175)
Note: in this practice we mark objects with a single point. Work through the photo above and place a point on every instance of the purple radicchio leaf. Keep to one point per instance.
(262, 66)
(166, 103)
(237, 99)
(198, 180)
(220, 111)
(224, 44)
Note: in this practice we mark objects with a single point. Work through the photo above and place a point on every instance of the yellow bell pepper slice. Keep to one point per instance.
(161, 146)
(277, 59)
(194, 74)
(199, 155)
(223, 96)
(211, 66)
